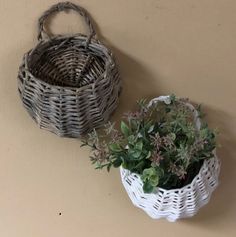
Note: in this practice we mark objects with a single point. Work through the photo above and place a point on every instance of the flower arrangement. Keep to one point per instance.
(160, 142)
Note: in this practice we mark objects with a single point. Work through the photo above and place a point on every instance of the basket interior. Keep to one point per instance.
(66, 62)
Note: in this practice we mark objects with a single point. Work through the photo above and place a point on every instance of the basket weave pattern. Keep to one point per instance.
(176, 203)
(69, 84)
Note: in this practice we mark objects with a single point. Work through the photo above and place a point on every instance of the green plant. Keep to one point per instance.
(160, 143)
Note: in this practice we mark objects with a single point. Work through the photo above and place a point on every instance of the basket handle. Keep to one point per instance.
(63, 6)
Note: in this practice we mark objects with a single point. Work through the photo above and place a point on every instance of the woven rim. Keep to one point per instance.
(109, 63)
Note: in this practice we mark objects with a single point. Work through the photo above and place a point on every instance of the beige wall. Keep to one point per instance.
(187, 47)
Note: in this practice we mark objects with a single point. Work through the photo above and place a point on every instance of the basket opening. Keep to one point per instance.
(66, 62)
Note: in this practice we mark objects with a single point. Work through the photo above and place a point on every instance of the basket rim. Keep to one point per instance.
(107, 52)
(188, 186)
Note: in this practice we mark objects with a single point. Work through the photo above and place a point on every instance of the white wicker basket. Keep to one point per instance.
(176, 203)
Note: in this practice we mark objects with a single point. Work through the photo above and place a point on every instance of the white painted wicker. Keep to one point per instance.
(176, 203)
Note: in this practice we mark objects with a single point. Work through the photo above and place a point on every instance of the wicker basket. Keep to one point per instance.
(69, 84)
(176, 203)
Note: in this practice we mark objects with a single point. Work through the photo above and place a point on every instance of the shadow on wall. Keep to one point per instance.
(137, 82)
(222, 206)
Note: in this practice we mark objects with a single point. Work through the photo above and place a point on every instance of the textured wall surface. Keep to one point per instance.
(47, 185)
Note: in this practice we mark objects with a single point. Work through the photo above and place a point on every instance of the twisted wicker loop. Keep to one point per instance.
(63, 6)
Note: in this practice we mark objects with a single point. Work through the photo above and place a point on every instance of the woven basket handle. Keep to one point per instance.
(167, 100)
(63, 6)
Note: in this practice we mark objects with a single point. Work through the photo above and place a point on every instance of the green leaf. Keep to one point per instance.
(108, 167)
(148, 155)
(124, 129)
(115, 147)
(140, 165)
(140, 135)
(172, 98)
(117, 163)
(125, 165)
(173, 136)
(139, 146)
(204, 133)
(160, 172)
(142, 102)
(136, 154)
(147, 173)
(151, 129)
(147, 187)
(150, 179)
(154, 180)
(131, 139)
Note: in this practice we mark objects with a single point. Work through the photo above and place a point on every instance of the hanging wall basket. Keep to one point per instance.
(69, 84)
(177, 203)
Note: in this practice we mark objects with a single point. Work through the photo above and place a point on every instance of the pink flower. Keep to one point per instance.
(156, 158)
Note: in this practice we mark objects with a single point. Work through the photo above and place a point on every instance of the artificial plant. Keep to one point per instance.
(160, 142)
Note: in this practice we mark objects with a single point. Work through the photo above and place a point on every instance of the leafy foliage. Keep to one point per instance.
(160, 143)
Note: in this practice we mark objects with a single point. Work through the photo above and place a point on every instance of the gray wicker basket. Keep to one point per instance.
(69, 84)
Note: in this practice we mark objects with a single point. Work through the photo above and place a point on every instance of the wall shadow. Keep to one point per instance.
(222, 205)
(137, 82)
